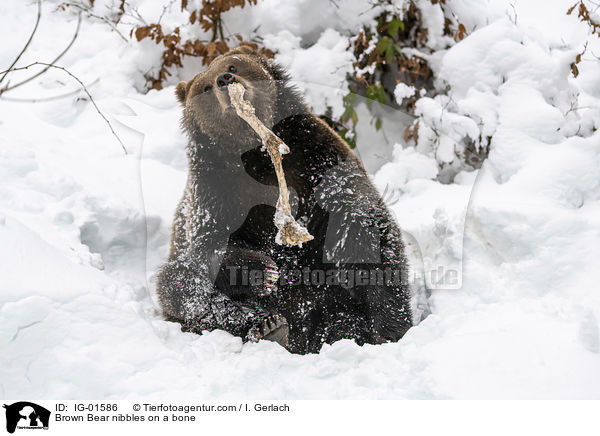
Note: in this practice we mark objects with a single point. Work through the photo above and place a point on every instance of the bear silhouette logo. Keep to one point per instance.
(26, 415)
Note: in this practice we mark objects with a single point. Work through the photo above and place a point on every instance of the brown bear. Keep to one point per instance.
(225, 269)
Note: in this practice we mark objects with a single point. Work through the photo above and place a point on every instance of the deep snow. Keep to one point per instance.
(83, 227)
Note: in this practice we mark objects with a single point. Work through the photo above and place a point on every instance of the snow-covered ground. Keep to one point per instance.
(83, 227)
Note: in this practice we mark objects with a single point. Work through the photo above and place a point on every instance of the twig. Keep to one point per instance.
(82, 86)
(122, 12)
(164, 10)
(8, 88)
(515, 11)
(89, 12)
(135, 14)
(54, 97)
(37, 22)
(573, 108)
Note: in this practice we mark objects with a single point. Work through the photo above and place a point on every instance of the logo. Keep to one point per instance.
(26, 415)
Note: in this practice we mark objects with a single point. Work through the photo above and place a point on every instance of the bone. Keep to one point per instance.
(290, 232)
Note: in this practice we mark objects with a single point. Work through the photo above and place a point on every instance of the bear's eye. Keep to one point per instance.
(232, 69)
(207, 88)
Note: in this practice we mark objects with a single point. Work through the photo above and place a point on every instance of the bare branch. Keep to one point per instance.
(37, 22)
(137, 16)
(89, 12)
(573, 108)
(54, 97)
(8, 88)
(515, 17)
(82, 86)
(165, 9)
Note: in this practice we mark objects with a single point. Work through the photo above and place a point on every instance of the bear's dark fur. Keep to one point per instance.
(224, 227)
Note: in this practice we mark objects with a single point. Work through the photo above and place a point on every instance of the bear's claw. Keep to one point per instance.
(272, 328)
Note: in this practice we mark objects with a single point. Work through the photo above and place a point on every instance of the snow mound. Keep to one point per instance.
(514, 247)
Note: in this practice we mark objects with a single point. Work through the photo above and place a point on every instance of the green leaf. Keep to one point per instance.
(381, 97)
(354, 117)
(371, 92)
(349, 99)
(377, 123)
(349, 137)
(383, 44)
(395, 26)
(389, 54)
(376, 92)
(402, 27)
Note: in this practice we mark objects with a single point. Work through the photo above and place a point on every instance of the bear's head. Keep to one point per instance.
(205, 98)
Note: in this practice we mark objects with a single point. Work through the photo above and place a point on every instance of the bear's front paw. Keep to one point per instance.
(272, 328)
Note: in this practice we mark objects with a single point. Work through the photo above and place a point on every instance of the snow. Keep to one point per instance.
(403, 91)
(83, 227)
(322, 83)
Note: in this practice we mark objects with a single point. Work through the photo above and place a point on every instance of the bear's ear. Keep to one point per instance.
(180, 92)
(242, 49)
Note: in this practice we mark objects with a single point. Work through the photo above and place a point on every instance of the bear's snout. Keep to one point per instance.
(225, 79)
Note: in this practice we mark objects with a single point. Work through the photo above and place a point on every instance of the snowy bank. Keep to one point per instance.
(83, 227)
